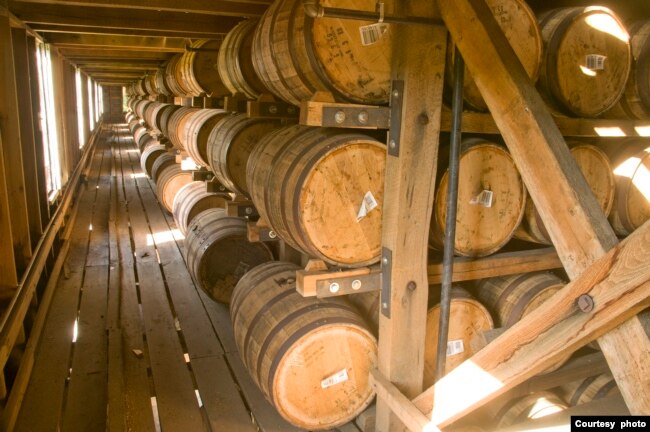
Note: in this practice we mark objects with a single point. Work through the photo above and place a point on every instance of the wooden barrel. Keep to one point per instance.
(321, 190)
(176, 126)
(198, 127)
(229, 146)
(631, 165)
(520, 27)
(129, 117)
(235, 63)
(468, 319)
(170, 180)
(295, 56)
(512, 297)
(149, 82)
(530, 407)
(134, 125)
(587, 59)
(162, 120)
(491, 201)
(218, 253)
(171, 79)
(139, 133)
(196, 70)
(149, 156)
(151, 115)
(310, 357)
(589, 389)
(162, 162)
(150, 142)
(597, 170)
(192, 199)
(161, 84)
(140, 106)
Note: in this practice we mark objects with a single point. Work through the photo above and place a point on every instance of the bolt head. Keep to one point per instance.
(384, 261)
(411, 286)
(391, 144)
(363, 117)
(334, 287)
(339, 117)
(384, 305)
(356, 284)
(272, 234)
(248, 210)
(585, 303)
(273, 109)
(395, 93)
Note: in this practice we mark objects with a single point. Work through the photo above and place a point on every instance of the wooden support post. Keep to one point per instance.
(576, 224)
(613, 289)
(26, 114)
(38, 135)
(418, 68)
(11, 149)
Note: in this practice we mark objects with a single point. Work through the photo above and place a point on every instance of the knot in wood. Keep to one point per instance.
(423, 119)
(411, 286)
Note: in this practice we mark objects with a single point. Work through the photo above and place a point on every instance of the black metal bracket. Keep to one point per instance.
(202, 175)
(214, 186)
(274, 110)
(396, 102)
(386, 274)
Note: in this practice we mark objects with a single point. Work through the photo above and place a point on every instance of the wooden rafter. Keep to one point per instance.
(248, 8)
(94, 42)
(121, 19)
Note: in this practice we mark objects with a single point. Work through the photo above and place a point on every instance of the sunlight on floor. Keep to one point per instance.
(164, 236)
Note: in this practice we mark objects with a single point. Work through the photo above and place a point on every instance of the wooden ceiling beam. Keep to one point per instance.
(80, 53)
(46, 29)
(103, 17)
(240, 8)
(94, 41)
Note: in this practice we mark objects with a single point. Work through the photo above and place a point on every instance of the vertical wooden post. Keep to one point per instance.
(11, 149)
(418, 64)
(26, 113)
(576, 224)
(38, 134)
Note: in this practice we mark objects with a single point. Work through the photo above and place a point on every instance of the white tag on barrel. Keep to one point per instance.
(455, 347)
(484, 199)
(367, 204)
(372, 33)
(338, 377)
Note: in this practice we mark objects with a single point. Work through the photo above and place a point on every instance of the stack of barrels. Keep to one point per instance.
(321, 189)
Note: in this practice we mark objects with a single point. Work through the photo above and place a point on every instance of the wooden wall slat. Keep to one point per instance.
(26, 116)
(38, 134)
(11, 149)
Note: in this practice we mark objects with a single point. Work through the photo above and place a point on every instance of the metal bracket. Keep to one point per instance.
(396, 103)
(386, 274)
(256, 233)
(362, 117)
(241, 209)
(336, 286)
(214, 186)
(202, 175)
(274, 110)
(237, 103)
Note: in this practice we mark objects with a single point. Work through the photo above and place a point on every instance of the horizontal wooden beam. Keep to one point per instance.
(618, 285)
(501, 264)
(119, 19)
(94, 41)
(117, 62)
(89, 68)
(474, 122)
(248, 8)
(43, 29)
(72, 53)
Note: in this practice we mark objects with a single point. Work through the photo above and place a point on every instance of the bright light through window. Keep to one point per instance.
(80, 110)
(91, 111)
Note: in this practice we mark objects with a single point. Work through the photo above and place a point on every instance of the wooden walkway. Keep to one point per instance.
(130, 344)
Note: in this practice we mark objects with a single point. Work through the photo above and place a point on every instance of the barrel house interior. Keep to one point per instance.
(343, 215)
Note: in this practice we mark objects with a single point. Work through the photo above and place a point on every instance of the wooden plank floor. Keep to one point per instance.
(130, 344)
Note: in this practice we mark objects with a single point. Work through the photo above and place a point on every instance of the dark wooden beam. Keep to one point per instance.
(78, 53)
(160, 32)
(94, 41)
(242, 8)
(121, 19)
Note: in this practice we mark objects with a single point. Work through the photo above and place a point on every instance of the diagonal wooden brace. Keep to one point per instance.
(577, 226)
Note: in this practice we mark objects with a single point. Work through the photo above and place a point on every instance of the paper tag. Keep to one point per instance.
(484, 199)
(370, 34)
(369, 202)
(338, 377)
(595, 62)
(455, 347)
